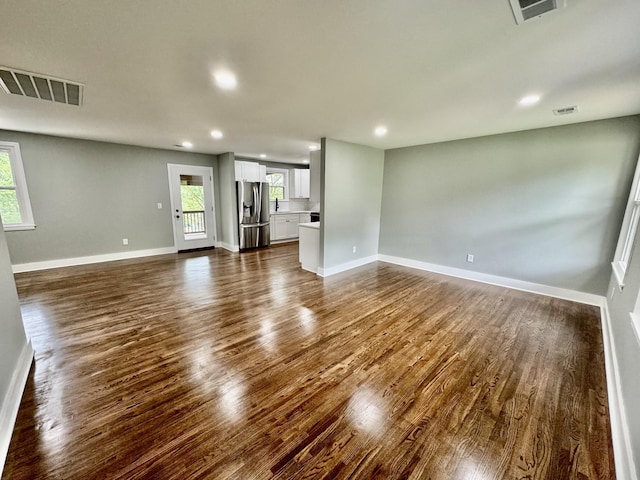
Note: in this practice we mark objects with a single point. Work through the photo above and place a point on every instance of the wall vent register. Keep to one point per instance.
(42, 87)
(524, 10)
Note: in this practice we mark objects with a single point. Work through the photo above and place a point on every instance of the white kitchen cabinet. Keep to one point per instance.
(286, 226)
(300, 183)
(309, 247)
(263, 173)
(249, 172)
(280, 228)
(272, 227)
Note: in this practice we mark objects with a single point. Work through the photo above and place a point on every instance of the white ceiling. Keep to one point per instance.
(430, 71)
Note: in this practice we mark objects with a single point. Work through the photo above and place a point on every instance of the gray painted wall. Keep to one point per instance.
(627, 345)
(315, 160)
(228, 201)
(351, 195)
(12, 335)
(542, 206)
(87, 196)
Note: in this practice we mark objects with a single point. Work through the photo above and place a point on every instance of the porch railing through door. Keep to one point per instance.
(194, 221)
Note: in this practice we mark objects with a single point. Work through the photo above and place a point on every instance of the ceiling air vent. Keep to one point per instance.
(524, 10)
(566, 110)
(17, 82)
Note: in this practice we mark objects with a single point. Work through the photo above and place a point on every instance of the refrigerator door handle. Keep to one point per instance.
(256, 200)
(240, 195)
(254, 225)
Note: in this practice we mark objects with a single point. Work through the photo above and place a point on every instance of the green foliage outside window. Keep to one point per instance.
(192, 198)
(276, 186)
(6, 177)
(9, 208)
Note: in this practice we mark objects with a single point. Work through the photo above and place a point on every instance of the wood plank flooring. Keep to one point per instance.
(213, 365)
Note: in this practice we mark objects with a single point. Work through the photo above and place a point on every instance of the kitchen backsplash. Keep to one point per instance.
(293, 205)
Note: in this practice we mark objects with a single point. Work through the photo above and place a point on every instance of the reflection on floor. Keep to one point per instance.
(219, 365)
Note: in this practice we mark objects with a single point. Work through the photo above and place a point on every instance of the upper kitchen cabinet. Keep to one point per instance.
(300, 183)
(250, 172)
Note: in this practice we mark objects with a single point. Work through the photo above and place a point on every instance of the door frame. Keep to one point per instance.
(175, 168)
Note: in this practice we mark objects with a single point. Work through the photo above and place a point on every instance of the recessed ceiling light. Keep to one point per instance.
(380, 131)
(263, 155)
(217, 134)
(187, 144)
(225, 80)
(313, 148)
(529, 100)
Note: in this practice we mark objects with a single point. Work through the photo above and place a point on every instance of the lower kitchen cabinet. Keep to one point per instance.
(285, 226)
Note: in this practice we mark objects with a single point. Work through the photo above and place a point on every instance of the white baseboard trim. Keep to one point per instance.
(108, 257)
(11, 403)
(228, 246)
(563, 293)
(343, 267)
(622, 452)
(286, 240)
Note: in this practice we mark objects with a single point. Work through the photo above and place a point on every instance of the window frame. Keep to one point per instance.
(628, 231)
(285, 180)
(22, 193)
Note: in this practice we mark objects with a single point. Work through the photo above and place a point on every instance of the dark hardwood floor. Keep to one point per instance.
(219, 365)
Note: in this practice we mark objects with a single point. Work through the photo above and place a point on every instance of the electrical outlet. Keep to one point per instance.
(125, 241)
(469, 258)
(354, 249)
(159, 206)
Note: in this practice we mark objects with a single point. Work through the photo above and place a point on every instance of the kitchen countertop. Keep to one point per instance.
(293, 212)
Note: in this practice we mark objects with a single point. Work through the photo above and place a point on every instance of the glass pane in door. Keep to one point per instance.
(192, 197)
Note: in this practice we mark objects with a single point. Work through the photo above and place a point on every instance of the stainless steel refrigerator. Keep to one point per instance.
(253, 214)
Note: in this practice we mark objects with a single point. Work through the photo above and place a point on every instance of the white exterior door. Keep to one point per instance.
(192, 208)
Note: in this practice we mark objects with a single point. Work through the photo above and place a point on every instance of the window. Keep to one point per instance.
(628, 231)
(278, 183)
(15, 207)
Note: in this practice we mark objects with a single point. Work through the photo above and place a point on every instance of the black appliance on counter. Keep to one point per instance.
(315, 216)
